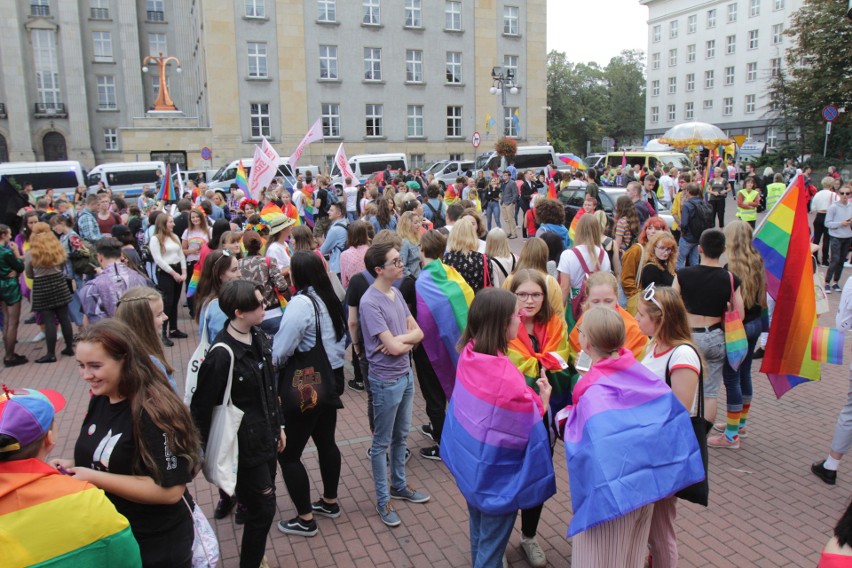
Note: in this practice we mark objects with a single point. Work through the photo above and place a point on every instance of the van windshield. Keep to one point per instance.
(66, 180)
(368, 167)
(488, 161)
(532, 161)
(134, 177)
(680, 161)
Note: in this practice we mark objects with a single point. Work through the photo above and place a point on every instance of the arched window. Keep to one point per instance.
(54, 147)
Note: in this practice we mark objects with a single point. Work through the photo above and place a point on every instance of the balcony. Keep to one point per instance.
(156, 16)
(50, 110)
(3, 110)
(39, 10)
(99, 13)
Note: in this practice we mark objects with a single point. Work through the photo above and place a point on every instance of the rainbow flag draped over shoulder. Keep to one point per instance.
(270, 212)
(443, 298)
(168, 192)
(494, 440)
(290, 210)
(242, 179)
(50, 519)
(783, 239)
(553, 347)
(628, 442)
(575, 222)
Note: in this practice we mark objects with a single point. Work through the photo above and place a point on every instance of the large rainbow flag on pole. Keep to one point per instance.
(168, 192)
(443, 298)
(783, 239)
(242, 179)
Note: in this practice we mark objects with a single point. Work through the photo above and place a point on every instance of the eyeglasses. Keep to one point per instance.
(845, 193)
(648, 296)
(396, 262)
(663, 249)
(524, 296)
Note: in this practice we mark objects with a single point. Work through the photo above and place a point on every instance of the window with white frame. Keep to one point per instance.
(106, 93)
(728, 106)
(328, 61)
(672, 57)
(372, 12)
(692, 24)
(710, 51)
(454, 67)
(327, 10)
(417, 160)
(413, 14)
(771, 137)
(729, 75)
(102, 44)
(673, 29)
(711, 19)
(778, 5)
(510, 121)
(456, 157)
(454, 121)
(709, 79)
(690, 82)
(730, 44)
(655, 88)
(754, 8)
(657, 33)
(413, 66)
(688, 111)
(372, 64)
(99, 10)
(157, 44)
(330, 113)
(414, 121)
(750, 102)
(751, 71)
(255, 8)
(46, 67)
(708, 104)
(655, 114)
(453, 15)
(257, 61)
(732, 13)
(510, 64)
(777, 34)
(511, 20)
(672, 113)
(774, 67)
(39, 7)
(752, 39)
(373, 120)
(261, 122)
(672, 85)
(690, 53)
(156, 10)
(110, 139)
(655, 60)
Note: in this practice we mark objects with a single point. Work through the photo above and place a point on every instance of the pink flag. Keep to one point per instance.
(314, 134)
(342, 164)
(263, 170)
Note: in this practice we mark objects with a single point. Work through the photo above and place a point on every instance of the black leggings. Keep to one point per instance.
(256, 492)
(531, 517)
(719, 210)
(319, 425)
(49, 318)
(432, 391)
(171, 295)
(821, 231)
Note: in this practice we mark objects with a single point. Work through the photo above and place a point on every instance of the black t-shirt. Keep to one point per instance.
(706, 290)
(106, 444)
(181, 224)
(655, 274)
(322, 199)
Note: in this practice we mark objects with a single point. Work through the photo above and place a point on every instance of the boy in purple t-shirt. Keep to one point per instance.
(389, 333)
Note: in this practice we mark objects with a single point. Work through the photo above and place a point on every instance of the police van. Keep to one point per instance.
(63, 177)
(128, 178)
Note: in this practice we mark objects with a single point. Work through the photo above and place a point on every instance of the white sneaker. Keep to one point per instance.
(39, 337)
(533, 552)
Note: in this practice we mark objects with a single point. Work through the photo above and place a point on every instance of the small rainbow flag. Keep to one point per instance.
(192, 286)
(827, 345)
(168, 191)
(270, 212)
(572, 229)
(551, 189)
(291, 211)
(242, 179)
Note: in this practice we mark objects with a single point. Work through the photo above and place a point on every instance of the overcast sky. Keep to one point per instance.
(596, 30)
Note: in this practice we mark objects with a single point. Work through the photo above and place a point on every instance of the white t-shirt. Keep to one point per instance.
(278, 252)
(351, 198)
(570, 265)
(669, 187)
(680, 357)
(823, 199)
(299, 202)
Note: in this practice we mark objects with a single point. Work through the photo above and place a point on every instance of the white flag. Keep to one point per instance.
(179, 181)
(314, 134)
(270, 152)
(342, 164)
(262, 172)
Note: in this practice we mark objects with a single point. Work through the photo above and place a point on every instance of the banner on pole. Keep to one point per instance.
(342, 164)
(314, 134)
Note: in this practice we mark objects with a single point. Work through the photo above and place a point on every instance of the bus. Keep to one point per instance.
(62, 177)
(127, 177)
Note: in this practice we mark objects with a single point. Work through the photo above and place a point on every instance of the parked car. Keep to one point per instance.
(572, 198)
(451, 171)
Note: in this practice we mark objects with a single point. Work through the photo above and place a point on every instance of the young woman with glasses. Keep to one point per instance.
(660, 261)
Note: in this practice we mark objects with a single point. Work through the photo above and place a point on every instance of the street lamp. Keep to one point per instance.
(503, 78)
(164, 101)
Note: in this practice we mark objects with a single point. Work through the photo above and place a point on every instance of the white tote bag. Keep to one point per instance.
(220, 461)
(194, 365)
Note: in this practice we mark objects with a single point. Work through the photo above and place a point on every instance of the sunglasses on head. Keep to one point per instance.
(648, 295)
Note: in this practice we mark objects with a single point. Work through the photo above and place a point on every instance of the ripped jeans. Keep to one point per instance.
(256, 491)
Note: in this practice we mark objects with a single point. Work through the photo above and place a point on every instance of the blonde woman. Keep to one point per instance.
(462, 254)
(502, 258)
(534, 256)
(409, 254)
(587, 246)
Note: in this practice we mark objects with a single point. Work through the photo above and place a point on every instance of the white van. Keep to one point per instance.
(126, 177)
(364, 165)
(527, 158)
(649, 159)
(451, 171)
(62, 177)
(227, 174)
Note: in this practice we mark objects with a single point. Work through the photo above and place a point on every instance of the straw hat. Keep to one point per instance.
(280, 223)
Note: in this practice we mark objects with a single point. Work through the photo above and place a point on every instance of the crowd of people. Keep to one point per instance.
(415, 285)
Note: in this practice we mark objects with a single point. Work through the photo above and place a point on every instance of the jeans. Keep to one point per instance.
(687, 254)
(364, 365)
(256, 490)
(351, 215)
(432, 391)
(842, 441)
(820, 231)
(492, 213)
(839, 252)
(712, 346)
(392, 403)
(489, 535)
(738, 387)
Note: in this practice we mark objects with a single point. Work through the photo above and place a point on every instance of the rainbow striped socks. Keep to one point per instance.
(744, 414)
(733, 425)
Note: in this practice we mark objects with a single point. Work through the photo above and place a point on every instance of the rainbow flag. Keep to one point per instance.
(551, 189)
(827, 345)
(783, 239)
(443, 298)
(291, 211)
(628, 442)
(50, 519)
(192, 286)
(270, 212)
(572, 229)
(168, 191)
(242, 179)
(553, 351)
(494, 441)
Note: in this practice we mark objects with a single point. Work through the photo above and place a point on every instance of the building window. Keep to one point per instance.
(328, 61)
(750, 101)
(257, 60)
(453, 14)
(708, 104)
(39, 7)
(729, 75)
(157, 44)
(256, 8)
(46, 67)
(754, 8)
(510, 121)
(331, 120)
(655, 88)
(657, 33)
(260, 120)
(372, 64)
(110, 139)
(415, 121)
(709, 79)
(510, 64)
(710, 52)
(691, 24)
(454, 121)
(374, 121)
(156, 10)
(106, 93)
(326, 10)
(779, 5)
(690, 53)
(751, 71)
(454, 67)
(99, 10)
(732, 13)
(672, 85)
(771, 137)
(690, 82)
(655, 115)
(102, 43)
(372, 12)
(414, 66)
(511, 20)
(417, 160)
(777, 34)
(672, 57)
(655, 60)
(730, 44)
(711, 19)
(775, 67)
(728, 106)
(673, 29)
(413, 14)
(688, 111)
(752, 39)
(155, 85)
(672, 114)
(456, 157)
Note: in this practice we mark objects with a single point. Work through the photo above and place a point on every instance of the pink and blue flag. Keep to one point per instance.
(628, 442)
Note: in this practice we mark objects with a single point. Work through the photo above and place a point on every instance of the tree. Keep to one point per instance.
(625, 78)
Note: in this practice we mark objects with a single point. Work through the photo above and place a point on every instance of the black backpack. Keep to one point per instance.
(438, 220)
(700, 218)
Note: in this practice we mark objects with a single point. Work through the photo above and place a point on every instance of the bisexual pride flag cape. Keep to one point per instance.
(443, 298)
(628, 442)
(494, 440)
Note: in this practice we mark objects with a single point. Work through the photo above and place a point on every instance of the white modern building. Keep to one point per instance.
(712, 61)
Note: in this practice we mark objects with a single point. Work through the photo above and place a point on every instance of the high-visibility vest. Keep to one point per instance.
(774, 191)
(748, 197)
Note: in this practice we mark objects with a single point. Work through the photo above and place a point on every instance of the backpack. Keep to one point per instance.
(82, 255)
(331, 192)
(578, 300)
(700, 219)
(438, 220)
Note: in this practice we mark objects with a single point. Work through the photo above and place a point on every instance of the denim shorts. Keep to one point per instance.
(712, 346)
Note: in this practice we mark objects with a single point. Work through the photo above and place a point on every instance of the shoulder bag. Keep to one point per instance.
(195, 361)
(222, 451)
(205, 545)
(736, 344)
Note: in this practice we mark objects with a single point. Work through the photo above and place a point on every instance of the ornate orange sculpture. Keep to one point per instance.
(164, 101)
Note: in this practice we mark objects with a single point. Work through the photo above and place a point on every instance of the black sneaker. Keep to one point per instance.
(177, 334)
(298, 526)
(167, 342)
(826, 475)
(357, 386)
(240, 515)
(325, 509)
(426, 430)
(432, 453)
(224, 507)
(758, 353)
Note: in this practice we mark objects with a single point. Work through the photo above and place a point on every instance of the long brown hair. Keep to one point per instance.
(489, 317)
(746, 262)
(162, 232)
(534, 255)
(210, 281)
(537, 278)
(134, 309)
(45, 249)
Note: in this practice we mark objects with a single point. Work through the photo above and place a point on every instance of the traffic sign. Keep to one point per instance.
(829, 113)
(206, 153)
(475, 139)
